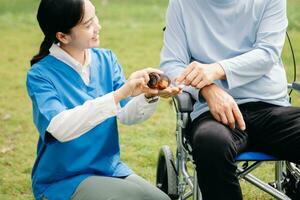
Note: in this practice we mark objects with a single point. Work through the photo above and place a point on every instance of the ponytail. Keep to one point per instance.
(44, 50)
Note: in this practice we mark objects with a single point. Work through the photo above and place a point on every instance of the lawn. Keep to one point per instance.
(133, 30)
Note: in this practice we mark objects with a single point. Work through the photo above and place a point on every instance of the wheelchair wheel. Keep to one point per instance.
(291, 184)
(166, 178)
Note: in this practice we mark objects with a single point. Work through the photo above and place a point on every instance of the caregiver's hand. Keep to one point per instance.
(136, 84)
(223, 107)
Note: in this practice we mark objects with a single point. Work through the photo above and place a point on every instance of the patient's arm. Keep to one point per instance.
(222, 106)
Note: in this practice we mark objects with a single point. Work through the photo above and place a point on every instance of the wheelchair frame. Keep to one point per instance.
(174, 178)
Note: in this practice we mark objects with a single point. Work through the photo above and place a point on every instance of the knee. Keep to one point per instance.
(213, 138)
(153, 193)
(160, 196)
(139, 192)
(142, 194)
(132, 194)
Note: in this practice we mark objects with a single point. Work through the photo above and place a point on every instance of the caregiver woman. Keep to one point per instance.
(78, 92)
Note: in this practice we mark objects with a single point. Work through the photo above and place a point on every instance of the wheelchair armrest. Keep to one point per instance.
(296, 86)
(184, 102)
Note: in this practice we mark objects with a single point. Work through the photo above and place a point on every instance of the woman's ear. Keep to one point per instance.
(63, 38)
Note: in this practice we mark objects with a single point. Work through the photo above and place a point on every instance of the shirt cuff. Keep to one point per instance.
(136, 110)
(145, 109)
(141, 99)
(227, 83)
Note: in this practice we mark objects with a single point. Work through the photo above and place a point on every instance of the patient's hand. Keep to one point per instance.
(199, 75)
(223, 107)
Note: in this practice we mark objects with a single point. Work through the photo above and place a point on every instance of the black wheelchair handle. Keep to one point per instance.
(184, 102)
(296, 86)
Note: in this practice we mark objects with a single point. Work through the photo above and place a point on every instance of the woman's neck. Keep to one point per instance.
(77, 54)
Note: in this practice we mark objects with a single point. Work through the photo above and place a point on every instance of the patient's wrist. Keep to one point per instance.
(219, 71)
(205, 90)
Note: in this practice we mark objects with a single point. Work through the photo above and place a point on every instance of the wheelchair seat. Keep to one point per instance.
(255, 156)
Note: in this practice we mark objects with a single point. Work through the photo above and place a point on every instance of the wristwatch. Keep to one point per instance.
(151, 99)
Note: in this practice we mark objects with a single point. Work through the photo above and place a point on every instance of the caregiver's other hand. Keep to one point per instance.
(223, 107)
(199, 75)
(168, 92)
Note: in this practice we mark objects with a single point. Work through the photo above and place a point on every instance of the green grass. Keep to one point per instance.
(133, 30)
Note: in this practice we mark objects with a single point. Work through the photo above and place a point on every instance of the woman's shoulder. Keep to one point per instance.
(37, 76)
(41, 69)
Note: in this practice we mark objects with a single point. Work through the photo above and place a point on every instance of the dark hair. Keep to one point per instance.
(56, 16)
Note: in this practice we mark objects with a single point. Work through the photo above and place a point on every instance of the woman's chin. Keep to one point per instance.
(95, 43)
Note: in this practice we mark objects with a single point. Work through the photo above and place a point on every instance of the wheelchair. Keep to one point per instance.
(178, 177)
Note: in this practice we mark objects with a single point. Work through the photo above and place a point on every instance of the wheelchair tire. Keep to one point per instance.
(291, 185)
(166, 178)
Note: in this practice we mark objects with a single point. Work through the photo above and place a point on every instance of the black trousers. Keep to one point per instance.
(269, 129)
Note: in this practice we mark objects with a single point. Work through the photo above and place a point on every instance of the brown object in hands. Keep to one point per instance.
(158, 81)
